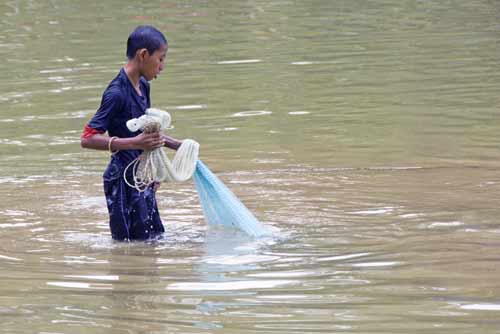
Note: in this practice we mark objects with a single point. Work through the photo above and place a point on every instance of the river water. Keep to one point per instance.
(365, 131)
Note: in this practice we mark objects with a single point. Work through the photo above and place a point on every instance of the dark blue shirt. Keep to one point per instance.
(120, 102)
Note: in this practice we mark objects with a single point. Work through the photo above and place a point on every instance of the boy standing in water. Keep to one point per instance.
(133, 215)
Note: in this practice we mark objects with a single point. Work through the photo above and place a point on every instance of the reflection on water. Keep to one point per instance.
(353, 239)
(364, 130)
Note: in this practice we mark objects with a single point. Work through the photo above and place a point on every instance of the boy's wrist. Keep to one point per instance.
(133, 143)
(120, 144)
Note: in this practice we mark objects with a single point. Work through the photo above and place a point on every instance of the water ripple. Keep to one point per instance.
(252, 113)
(242, 61)
(229, 286)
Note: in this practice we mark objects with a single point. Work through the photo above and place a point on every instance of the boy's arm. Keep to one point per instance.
(99, 141)
(171, 142)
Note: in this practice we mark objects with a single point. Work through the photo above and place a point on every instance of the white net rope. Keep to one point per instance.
(220, 206)
(154, 165)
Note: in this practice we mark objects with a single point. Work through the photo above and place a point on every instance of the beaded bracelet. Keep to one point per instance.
(109, 145)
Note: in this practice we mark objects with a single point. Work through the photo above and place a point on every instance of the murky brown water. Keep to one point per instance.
(366, 131)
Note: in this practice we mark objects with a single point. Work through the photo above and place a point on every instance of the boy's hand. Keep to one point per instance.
(171, 142)
(149, 141)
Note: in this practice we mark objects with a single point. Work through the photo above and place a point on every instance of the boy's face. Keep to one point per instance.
(153, 63)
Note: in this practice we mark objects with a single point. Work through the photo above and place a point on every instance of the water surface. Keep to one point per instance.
(365, 131)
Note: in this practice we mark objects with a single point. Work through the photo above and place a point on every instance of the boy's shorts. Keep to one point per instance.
(133, 215)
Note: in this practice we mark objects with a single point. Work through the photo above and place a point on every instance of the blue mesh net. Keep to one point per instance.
(222, 207)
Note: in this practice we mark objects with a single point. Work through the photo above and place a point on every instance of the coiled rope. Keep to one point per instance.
(154, 165)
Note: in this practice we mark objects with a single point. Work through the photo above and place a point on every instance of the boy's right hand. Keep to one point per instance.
(149, 141)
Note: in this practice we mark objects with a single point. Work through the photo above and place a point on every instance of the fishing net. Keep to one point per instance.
(220, 206)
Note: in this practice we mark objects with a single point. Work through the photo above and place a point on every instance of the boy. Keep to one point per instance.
(132, 215)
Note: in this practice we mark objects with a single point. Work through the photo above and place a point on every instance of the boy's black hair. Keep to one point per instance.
(145, 37)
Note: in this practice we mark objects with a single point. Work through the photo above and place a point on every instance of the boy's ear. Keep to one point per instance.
(141, 53)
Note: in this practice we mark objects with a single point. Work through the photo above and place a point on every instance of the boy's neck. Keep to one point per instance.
(133, 74)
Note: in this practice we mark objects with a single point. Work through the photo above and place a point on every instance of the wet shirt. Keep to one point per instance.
(120, 102)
